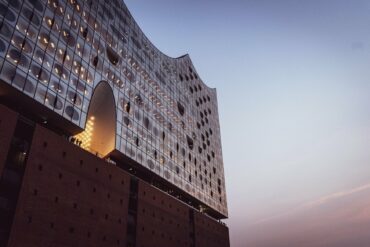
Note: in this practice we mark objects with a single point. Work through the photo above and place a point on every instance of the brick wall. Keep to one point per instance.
(161, 219)
(69, 197)
(209, 232)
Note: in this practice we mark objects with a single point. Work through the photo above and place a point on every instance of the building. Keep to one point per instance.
(104, 140)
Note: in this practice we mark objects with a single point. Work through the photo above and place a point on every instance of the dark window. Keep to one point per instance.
(113, 57)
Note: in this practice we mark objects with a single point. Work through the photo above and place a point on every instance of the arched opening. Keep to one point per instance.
(100, 130)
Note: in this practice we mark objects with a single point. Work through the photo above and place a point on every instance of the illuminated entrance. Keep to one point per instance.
(100, 130)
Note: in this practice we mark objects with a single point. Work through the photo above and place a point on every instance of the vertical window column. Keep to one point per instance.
(132, 212)
(12, 176)
(192, 227)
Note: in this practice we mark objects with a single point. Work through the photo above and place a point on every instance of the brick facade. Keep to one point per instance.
(70, 197)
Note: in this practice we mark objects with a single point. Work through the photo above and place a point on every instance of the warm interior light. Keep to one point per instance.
(99, 134)
(85, 137)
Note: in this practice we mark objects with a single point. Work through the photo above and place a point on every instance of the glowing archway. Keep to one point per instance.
(99, 136)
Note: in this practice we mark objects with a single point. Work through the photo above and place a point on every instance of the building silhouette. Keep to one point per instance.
(104, 140)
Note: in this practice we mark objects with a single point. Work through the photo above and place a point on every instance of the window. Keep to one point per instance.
(113, 57)
(181, 108)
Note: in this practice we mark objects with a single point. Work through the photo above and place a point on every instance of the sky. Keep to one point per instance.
(293, 84)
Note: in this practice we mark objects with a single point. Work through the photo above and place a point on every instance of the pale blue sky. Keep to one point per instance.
(293, 81)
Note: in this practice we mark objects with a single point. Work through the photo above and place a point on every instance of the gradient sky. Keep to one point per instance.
(293, 82)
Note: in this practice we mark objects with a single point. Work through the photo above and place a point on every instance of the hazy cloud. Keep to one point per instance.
(338, 220)
(317, 202)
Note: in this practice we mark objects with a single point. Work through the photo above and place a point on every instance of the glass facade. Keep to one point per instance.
(58, 51)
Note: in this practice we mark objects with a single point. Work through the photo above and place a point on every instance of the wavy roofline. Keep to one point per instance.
(182, 57)
(147, 38)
